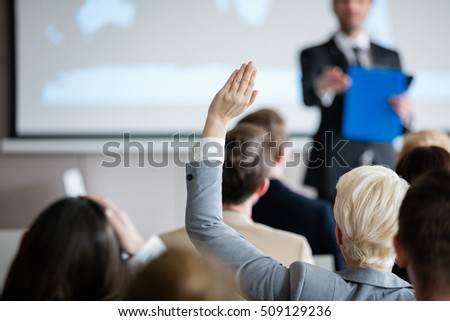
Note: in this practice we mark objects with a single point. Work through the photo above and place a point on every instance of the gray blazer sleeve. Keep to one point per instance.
(260, 277)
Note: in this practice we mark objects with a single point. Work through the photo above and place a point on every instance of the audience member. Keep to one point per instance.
(244, 181)
(429, 137)
(423, 240)
(73, 251)
(179, 275)
(285, 209)
(414, 163)
(367, 203)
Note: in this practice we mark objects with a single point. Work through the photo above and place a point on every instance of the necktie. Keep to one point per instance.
(357, 50)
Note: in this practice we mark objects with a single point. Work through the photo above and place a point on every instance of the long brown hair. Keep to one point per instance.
(69, 253)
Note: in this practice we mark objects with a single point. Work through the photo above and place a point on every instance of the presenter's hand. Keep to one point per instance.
(402, 106)
(232, 100)
(130, 239)
(333, 79)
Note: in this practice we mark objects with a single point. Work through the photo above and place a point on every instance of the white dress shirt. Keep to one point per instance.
(346, 44)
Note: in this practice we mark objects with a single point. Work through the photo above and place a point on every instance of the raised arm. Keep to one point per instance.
(260, 277)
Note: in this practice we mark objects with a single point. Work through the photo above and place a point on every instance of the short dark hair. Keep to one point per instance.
(246, 162)
(274, 124)
(420, 160)
(69, 253)
(424, 231)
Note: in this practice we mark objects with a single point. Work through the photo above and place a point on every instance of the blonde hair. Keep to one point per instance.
(366, 210)
(429, 137)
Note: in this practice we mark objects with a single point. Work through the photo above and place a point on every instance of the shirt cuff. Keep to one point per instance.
(209, 149)
(151, 249)
(326, 97)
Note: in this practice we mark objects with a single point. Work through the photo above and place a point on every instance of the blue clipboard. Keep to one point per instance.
(367, 115)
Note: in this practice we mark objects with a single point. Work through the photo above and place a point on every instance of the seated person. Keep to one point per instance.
(422, 242)
(244, 181)
(73, 251)
(428, 137)
(285, 209)
(180, 275)
(367, 203)
(414, 163)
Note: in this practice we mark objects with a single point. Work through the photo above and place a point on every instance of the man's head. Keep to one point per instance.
(273, 123)
(423, 240)
(366, 212)
(351, 14)
(245, 169)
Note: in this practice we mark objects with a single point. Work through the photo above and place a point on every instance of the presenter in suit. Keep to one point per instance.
(324, 83)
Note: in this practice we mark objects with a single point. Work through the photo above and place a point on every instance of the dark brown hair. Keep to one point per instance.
(420, 160)
(246, 163)
(69, 253)
(424, 232)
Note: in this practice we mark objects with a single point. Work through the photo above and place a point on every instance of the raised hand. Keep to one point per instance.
(232, 100)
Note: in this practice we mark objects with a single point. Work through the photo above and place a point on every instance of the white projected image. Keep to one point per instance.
(97, 14)
(251, 12)
(150, 66)
(153, 83)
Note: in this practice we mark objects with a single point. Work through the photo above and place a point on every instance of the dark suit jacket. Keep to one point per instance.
(284, 209)
(313, 61)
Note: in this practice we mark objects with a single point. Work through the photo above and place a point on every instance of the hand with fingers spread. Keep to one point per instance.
(232, 100)
(130, 239)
